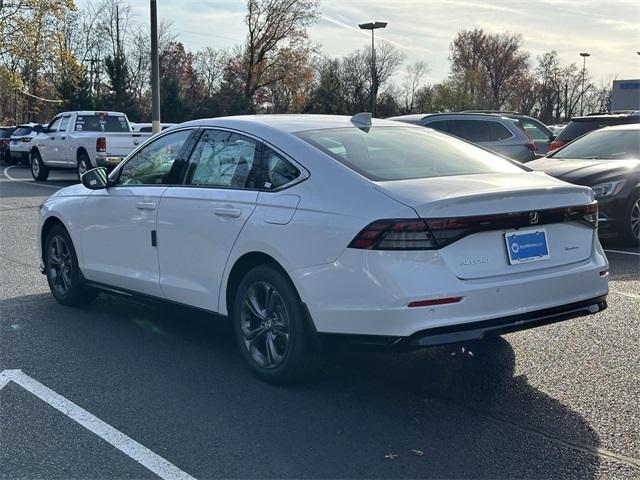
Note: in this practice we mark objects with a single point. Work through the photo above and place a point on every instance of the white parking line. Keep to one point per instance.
(28, 182)
(145, 457)
(622, 251)
(625, 294)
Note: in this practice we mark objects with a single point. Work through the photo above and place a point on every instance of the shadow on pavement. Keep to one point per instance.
(176, 372)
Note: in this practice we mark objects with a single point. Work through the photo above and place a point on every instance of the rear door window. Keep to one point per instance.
(472, 130)
(440, 125)
(224, 159)
(498, 132)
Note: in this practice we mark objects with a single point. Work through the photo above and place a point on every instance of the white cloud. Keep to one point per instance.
(423, 29)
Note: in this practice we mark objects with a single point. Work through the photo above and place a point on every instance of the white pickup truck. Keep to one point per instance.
(83, 140)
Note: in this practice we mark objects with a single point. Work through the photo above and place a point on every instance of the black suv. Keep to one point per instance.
(578, 126)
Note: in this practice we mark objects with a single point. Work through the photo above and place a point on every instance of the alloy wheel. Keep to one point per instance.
(265, 324)
(35, 166)
(60, 266)
(635, 219)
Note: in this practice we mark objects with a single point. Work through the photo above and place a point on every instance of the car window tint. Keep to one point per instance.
(101, 122)
(604, 144)
(152, 164)
(279, 171)
(533, 130)
(20, 131)
(576, 129)
(498, 132)
(224, 159)
(400, 153)
(440, 125)
(472, 130)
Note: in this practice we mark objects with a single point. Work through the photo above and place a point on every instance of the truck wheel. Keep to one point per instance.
(84, 164)
(39, 171)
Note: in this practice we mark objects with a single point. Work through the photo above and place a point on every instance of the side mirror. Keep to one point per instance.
(96, 178)
(552, 138)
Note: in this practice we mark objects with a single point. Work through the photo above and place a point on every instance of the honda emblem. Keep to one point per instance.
(534, 218)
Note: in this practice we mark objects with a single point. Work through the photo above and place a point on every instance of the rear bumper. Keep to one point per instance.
(369, 293)
(475, 330)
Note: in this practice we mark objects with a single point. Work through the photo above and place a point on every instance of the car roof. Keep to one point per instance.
(606, 116)
(285, 122)
(414, 118)
(627, 126)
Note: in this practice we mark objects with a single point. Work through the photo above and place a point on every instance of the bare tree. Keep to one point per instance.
(388, 59)
(210, 64)
(273, 26)
(415, 74)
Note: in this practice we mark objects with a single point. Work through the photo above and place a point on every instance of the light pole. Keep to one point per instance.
(155, 70)
(584, 56)
(374, 88)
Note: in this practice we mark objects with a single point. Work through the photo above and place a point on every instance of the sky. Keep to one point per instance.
(423, 29)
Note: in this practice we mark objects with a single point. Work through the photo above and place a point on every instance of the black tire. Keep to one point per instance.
(631, 226)
(39, 171)
(273, 357)
(63, 273)
(84, 164)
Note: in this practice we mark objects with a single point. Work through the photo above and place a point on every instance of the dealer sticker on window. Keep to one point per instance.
(527, 246)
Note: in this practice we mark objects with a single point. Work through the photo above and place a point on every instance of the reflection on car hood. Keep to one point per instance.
(585, 172)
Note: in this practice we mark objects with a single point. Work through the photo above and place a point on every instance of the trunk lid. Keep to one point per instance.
(484, 254)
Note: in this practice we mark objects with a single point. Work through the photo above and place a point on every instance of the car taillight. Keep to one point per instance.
(589, 214)
(101, 144)
(556, 144)
(405, 234)
(4, 141)
(435, 233)
(531, 145)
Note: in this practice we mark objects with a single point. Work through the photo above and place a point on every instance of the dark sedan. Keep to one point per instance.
(608, 161)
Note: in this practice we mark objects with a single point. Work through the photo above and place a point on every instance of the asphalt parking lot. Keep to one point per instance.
(554, 402)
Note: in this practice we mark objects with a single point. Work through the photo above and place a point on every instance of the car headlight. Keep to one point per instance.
(607, 189)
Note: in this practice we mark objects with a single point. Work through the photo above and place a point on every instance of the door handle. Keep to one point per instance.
(146, 206)
(52, 138)
(62, 138)
(227, 212)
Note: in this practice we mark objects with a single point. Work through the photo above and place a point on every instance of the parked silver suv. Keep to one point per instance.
(493, 131)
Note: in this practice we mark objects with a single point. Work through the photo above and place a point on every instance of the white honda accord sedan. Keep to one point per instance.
(300, 228)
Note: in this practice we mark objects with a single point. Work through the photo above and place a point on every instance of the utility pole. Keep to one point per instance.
(155, 70)
(584, 56)
(566, 102)
(374, 87)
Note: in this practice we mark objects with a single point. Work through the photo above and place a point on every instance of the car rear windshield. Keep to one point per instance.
(577, 128)
(604, 144)
(20, 131)
(102, 123)
(402, 153)
(6, 132)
